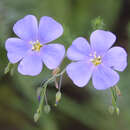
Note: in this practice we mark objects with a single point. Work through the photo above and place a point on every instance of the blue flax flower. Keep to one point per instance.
(97, 60)
(30, 49)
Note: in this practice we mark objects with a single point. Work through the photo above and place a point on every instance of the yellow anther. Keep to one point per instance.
(96, 60)
(36, 46)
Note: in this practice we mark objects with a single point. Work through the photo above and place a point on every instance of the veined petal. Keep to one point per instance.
(80, 72)
(16, 49)
(101, 40)
(30, 65)
(104, 77)
(49, 29)
(116, 58)
(27, 28)
(52, 55)
(79, 49)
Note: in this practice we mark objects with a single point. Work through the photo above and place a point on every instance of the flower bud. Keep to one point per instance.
(38, 93)
(58, 97)
(47, 108)
(117, 111)
(36, 117)
(111, 109)
(98, 23)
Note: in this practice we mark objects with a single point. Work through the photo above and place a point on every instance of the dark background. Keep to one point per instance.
(80, 108)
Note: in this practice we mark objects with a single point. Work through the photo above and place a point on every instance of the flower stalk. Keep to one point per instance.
(114, 99)
(43, 94)
(8, 67)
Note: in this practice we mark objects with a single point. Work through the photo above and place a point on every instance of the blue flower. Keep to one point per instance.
(30, 49)
(97, 60)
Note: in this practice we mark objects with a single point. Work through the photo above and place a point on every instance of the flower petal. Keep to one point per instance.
(79, 49)
(30, 65)
(52, 55)
(80, 73)
(16, 48)
(27, 28)
(104, 77)
(116, 58)
(49, 29)
(101, 40)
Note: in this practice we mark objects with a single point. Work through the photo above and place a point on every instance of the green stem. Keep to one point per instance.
(114, 100)
(8, 67)
(114, 97)
(43, 92)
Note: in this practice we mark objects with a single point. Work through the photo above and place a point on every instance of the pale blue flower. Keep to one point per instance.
(97, 60)
(31, 48)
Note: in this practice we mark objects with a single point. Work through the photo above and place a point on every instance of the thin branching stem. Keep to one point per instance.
(43, 91)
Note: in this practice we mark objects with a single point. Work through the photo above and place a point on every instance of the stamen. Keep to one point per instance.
(36, 46)
(96, 60)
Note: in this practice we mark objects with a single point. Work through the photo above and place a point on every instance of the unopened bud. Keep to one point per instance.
(98, 23)
(39, 93)
(117, 111)
(111, 109)
(47, 109)
(58, 97)
(36, 117)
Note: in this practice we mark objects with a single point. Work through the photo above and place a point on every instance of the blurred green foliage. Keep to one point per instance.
(84, 109)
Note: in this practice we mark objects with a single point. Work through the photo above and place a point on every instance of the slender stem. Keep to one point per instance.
(42, 99)
(42, 83)
(43, 92)
(60, 82)
(114, 97)
(46, 99)
(51, 79)
(8, 67)
(56, 84)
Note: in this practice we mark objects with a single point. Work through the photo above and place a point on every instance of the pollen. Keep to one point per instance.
(36, 46)
(96, 60)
